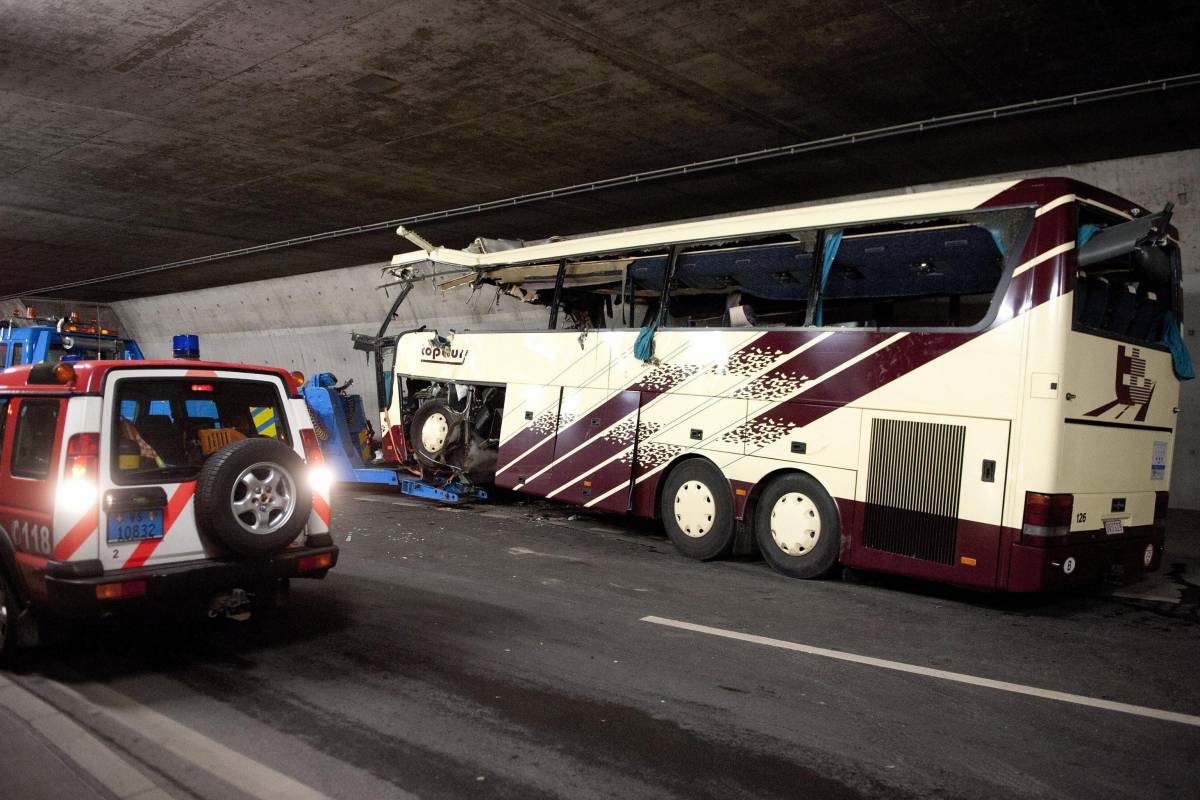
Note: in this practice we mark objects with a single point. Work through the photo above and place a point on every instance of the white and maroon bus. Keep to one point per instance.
(977, 385)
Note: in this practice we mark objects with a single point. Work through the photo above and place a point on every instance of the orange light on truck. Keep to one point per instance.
(120, 591)
(64, 372)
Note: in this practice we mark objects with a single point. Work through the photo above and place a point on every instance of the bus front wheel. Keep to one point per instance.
(697, 510)
(797, 527)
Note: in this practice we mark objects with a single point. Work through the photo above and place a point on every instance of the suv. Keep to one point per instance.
(154, 480)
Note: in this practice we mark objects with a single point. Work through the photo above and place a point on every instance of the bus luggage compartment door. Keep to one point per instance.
(932, 497)
(593, 453)
(526, 432)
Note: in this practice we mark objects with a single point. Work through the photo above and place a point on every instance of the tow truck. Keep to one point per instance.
(26, 338)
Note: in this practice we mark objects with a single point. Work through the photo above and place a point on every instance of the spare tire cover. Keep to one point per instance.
(253, 496)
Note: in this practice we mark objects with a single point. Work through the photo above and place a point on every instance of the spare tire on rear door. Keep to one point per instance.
(252, 496)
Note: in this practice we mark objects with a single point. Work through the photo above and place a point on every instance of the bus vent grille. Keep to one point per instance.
(913, 485)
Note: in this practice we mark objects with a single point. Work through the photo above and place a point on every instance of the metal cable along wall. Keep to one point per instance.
(842, 140)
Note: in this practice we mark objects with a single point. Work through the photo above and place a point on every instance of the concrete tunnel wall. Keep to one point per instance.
(304, 322)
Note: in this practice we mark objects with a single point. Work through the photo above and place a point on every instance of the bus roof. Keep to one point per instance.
(1034, 192)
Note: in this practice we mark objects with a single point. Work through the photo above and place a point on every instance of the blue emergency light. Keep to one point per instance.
(186, 346)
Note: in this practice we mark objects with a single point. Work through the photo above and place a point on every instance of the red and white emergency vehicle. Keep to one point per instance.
(155, 481)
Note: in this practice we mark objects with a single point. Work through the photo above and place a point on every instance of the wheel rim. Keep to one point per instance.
(694, 509)
(263, 498)
(434, 432)
(795, 524)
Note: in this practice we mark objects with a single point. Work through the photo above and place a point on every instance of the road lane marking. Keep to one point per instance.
(243, 773)
(914, 669)
(67, 737)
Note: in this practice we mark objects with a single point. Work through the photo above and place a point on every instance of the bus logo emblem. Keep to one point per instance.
(1133, 387)
(443, 355)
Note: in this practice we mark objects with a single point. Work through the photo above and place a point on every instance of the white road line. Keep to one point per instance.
(243, 773)
(957, 677)
(69, 738)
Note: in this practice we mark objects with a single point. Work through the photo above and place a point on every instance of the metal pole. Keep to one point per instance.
(558, 285)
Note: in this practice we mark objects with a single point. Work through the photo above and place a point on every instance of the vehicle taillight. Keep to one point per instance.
(1160, 509)
(83, 456)
(118, 591)
(312, 448)
(313, 563)
(1047, 514)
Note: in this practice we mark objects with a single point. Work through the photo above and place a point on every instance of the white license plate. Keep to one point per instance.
(1114, 526)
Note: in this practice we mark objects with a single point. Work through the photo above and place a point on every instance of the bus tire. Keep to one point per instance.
(435, 432)
(9, 609)
(697, 510)
(797, 526)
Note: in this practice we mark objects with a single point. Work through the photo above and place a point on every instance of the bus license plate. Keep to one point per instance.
(134, 526)
(1114, 526)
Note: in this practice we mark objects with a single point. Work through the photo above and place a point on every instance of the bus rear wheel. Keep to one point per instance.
(797, 527)
(697, 510)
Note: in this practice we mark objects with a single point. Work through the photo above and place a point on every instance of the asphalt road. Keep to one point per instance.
(501, 651)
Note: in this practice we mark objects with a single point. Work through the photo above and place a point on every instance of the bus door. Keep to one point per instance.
(593, 452)
(932, 496)
(526, 433)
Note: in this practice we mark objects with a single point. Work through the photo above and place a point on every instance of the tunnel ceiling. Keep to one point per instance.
(133, 134)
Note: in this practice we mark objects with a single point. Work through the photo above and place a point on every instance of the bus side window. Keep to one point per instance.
(930, 273)
(761, 282)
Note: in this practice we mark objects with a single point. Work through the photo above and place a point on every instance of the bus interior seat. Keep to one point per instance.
(742, 317)
(1095, 302)
(738, 313)
(1082, 287)
(1124, 309)
(1147, 318)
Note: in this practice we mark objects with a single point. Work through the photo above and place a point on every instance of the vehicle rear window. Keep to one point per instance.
(167, 427)
(33, 439)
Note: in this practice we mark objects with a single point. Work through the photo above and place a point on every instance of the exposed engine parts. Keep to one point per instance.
(453, 429)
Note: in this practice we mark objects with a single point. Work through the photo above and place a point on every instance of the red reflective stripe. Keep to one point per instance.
(175, 507)
(31, 559)
(321, 507)
(78, 534)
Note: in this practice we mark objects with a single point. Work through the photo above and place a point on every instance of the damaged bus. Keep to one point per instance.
(977, 386)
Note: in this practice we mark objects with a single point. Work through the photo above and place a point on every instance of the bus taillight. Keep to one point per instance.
(1047, 515)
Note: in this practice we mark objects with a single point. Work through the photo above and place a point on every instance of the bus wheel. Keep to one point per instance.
(797, 527)
(697, 510)
(435, 431)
